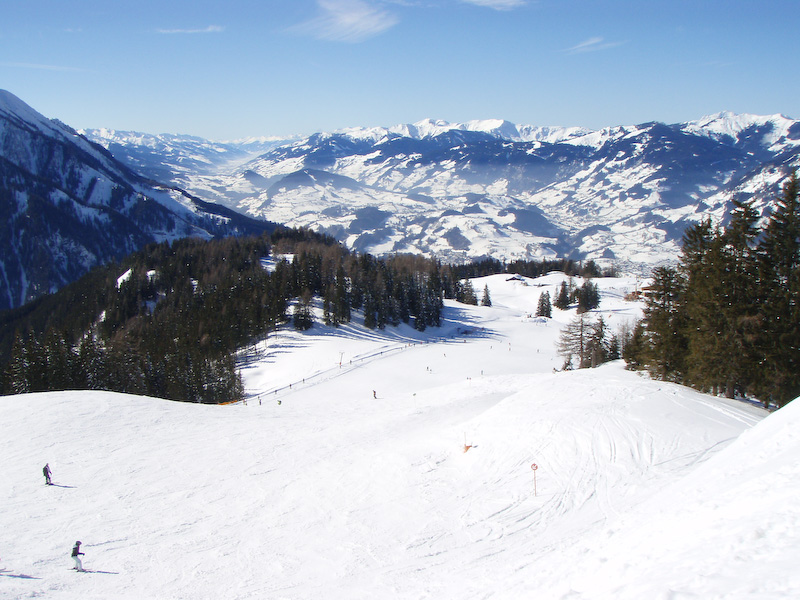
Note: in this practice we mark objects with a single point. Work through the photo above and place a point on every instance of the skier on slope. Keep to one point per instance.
(47, 472)
(76, 556)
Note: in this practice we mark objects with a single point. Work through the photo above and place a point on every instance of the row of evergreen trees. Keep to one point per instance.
(727, 319)
(90, 364)
(530, 268)
(171, 326)
(587, 296)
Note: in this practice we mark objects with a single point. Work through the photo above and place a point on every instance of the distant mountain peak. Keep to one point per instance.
(490, 187)
(731, 125)
(499, 128)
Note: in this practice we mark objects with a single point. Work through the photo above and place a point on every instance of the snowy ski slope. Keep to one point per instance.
(354, 482)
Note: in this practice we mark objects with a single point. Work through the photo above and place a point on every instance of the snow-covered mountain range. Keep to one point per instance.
(69, 205)
(491, 188)
(458, 191)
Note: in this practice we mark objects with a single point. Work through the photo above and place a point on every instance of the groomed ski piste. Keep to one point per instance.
(399, 464)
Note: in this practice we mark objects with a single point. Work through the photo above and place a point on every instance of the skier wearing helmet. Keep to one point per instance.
(76, 556)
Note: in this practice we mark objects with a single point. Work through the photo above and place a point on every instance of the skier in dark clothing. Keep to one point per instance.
(47, 472)
(76, 556)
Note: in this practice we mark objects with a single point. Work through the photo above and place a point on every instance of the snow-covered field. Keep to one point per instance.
(345, 475)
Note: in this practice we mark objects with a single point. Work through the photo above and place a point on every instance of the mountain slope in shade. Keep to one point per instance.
(68, 205)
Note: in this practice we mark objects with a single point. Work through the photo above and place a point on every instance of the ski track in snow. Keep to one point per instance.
(336, 493)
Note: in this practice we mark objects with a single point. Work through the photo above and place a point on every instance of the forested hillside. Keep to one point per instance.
(167, 320)
(727, 319)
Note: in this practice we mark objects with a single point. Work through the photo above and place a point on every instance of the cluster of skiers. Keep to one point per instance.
(76, 549)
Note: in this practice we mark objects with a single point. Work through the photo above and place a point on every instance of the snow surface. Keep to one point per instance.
(354, 482)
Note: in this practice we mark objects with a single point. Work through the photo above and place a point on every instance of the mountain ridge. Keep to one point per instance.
(622, 193)
(465, 191)
(70, 205)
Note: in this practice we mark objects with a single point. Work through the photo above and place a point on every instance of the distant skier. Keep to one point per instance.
(76, 556)
(374, 394)
(47, 472)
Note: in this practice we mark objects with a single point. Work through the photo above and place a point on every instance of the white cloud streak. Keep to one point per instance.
(347, 21)
(41, 67)
(594, 44)
(498, 4)
(209, 29)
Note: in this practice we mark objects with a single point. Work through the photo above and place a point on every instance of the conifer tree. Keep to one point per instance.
(739, 299)
(664, 318)
(302, 318)
(562, 298)
(721, 306)
(17, 377)
(597, 347)
(341, 303)
(701, 266)
(486, 300)
(467, 293)
(36, 373)
(574, 342)
(370, 310)
(779, 269)
(635, 349)
(588, 297)
(544, 308)
(328, 316)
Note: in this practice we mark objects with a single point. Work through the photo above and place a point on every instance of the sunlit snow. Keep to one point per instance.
(346, 475)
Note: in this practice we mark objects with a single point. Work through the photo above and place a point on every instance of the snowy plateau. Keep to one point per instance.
(399, 464)
(465, 191)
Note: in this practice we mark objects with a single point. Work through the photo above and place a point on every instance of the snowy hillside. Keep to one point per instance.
(345, 475)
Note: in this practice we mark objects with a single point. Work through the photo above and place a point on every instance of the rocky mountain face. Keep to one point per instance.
(491, 188)
(68, 205)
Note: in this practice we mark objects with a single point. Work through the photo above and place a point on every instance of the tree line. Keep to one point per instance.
(171, 325)
(727, 319)
(531, 268)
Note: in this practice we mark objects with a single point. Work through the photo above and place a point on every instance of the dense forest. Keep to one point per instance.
(167, 320)
(727, 318)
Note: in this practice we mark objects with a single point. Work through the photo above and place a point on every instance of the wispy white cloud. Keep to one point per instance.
(209, 29)
(347, 21)
(593, 44)
(41, 67)
(717, 63)
(498, 4)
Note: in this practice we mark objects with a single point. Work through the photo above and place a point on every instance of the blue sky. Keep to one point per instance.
(226, 70)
